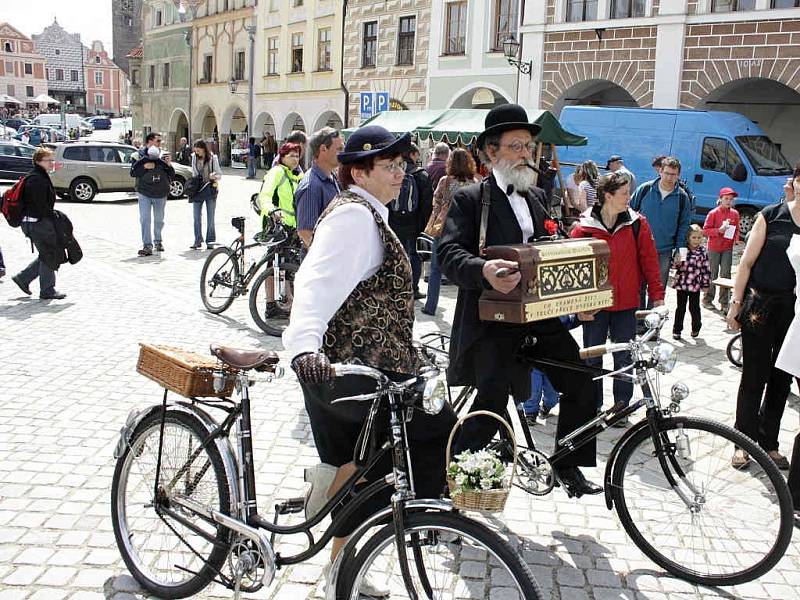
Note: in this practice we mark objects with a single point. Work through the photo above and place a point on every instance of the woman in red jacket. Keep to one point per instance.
(633, 256)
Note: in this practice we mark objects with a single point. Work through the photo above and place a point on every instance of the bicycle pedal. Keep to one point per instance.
(291, 506)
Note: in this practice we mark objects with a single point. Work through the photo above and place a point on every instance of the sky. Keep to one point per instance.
(90, 18)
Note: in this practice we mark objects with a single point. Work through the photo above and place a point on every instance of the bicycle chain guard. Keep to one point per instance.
(535, 473)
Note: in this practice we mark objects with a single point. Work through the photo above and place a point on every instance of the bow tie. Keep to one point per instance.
(509, 190)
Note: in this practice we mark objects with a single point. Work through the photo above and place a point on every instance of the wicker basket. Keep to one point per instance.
(186, 373)
(482, 500)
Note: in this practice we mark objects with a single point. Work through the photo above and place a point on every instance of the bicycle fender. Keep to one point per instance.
(612, 459)
(440, 505)
(209, 424)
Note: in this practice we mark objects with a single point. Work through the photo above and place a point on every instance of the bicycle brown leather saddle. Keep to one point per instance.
(260, 360)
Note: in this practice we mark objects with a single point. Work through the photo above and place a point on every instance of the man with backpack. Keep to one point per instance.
(409, 213)
(668, 209)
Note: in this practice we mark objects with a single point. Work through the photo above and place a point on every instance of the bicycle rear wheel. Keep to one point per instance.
(734, 350)
(219, 280)
(449, 556)
(733, 527)
(269, 310)
(165, 556)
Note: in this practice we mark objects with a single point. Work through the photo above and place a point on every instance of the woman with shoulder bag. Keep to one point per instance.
(206, 174)
(762, 306)
(459, 172)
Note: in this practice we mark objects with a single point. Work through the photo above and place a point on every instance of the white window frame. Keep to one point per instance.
(273, 55)
(98, 78)
(102, 99)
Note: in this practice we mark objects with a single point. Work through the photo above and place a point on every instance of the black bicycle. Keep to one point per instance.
(669, 477)
(225, 276)
(183, 502)
(734, 350)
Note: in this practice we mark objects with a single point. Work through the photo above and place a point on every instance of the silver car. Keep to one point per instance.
(86, 168)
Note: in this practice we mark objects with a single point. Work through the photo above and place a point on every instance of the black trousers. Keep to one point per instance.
(499, 372)
(693, 298)
(758, 414)
(794, 471)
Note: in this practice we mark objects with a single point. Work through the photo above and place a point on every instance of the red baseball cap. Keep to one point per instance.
(726, 191)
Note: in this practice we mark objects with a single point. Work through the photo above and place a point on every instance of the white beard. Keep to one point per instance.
(521, 178)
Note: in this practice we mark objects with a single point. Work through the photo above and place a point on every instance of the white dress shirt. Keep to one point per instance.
(347, 249)
(520, 207)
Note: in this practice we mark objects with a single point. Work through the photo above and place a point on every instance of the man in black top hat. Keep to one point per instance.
(485, 354)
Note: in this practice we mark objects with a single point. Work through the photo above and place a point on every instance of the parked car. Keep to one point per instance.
(100, 122)
(85, 168)
(36, 134)
(16, 159)
(716, 150)
(16, 122)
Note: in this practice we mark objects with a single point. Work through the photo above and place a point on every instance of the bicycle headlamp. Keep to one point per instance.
(434, 396)
(664, 357)
(680, 391)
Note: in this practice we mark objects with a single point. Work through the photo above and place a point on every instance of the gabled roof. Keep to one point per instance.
(9, 31)
(137, 52)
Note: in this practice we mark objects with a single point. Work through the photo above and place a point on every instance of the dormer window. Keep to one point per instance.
(97, 59)
(8, 47)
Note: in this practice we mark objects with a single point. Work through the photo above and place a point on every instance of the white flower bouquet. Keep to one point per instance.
(477, 471)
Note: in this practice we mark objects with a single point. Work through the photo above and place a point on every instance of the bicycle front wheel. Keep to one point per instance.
(734, 350)
(271, 299)
(715, 525)
(448, 555)
(168, 558)
(219, 280)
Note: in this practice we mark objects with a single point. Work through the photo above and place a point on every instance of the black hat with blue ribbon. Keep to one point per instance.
(373, 140)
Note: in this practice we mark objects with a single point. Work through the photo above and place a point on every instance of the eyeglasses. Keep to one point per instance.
(392, 166)
(518, 146)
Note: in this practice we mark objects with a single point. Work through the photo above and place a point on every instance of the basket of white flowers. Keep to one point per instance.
(478, 480)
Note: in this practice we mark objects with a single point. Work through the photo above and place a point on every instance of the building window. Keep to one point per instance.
(297, 2)
(785, 3)
(58, 52)
(134, 76)
(207, 68)
(29, 91)
(10, 89)
(98, 78)
(505, 22)
(732, 5)
(405, 40)
(324, 49)
(157, 21)
(581, 10)
(238, 66)
(97, 60)
(99, 100)
(272, 56)
(297, 52)
(369, 48)
(8, 47)
(59, 74)
(28, 69)
(73, 75)
(165, 76)
(456, 28)
(151, 81)
(719, 155)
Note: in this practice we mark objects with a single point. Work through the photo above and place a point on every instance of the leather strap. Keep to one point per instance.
(485, 197)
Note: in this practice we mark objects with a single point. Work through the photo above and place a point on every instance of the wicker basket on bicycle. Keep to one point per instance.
(186, 373)
(493, 500)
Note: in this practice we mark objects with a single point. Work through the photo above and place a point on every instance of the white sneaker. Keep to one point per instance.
(319, 478)
(367, 587)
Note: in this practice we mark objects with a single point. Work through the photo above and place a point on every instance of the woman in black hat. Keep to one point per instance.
(354, 302)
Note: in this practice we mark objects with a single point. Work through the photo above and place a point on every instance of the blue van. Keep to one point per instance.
(716, 150)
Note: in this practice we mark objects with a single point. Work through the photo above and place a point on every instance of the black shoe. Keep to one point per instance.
(545, 411)
(24, 287)
(54, 295)
(211, 246)
(146, 251)
(195, 246)
(2, 271)
(159, 247)
(676, 335)
(530, 418)
(575, 483)
(418, 295)
(695, 333)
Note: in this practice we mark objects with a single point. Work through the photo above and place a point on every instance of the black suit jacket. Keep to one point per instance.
(459, 260)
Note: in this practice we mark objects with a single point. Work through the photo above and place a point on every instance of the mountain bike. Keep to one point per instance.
(225, 276)
(183, 501)
(669, 477)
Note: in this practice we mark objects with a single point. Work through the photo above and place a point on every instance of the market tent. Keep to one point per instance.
(45, 99)
(399, 121)
(6, 99)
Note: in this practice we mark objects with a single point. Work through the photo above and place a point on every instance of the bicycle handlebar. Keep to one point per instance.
(594, 351)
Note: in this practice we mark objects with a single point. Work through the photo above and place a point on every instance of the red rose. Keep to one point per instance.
(551, 226)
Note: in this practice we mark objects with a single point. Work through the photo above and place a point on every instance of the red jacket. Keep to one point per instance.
(625, 271)
(714, 219)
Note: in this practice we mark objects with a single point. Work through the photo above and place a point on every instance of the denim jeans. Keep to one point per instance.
(410, 246)
(664, 263)
(434, 281)
(720, 263)
(197, 209)
(620, 326)
(146, 204)
(541, 390)
(38, 233)
(251, 167)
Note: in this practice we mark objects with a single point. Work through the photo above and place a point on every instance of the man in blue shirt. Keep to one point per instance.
(669, 212)
(318, 185)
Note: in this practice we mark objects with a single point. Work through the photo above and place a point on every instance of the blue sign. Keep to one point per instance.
(373, 103)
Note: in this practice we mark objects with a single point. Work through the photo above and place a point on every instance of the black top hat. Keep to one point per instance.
(373, 140)
(506, 117)
(612, 158)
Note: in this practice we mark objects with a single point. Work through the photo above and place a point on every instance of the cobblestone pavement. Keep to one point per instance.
(69, 381)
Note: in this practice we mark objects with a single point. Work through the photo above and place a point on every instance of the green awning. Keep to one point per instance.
(463, 125)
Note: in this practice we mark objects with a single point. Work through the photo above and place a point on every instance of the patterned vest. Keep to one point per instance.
(374, 325)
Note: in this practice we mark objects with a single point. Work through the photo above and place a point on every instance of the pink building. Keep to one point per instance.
(22, 70)
(106, 83)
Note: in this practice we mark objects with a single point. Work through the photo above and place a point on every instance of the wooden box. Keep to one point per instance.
(558, 278)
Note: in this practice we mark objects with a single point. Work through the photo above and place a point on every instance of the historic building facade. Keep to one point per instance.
(126, 23)
(22, 69)
(106, 83)
(65, 56)
(702, 54)
(386, 50)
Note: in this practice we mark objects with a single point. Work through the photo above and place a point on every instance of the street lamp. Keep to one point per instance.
(511, 52)
(233, 85)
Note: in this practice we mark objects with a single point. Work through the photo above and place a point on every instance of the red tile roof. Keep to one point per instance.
(137, 52)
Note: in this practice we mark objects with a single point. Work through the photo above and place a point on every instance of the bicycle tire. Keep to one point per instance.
(759, 489)
(134, 517)
(734, 350)
(495, 553)
(227, 281)
(270, 316)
